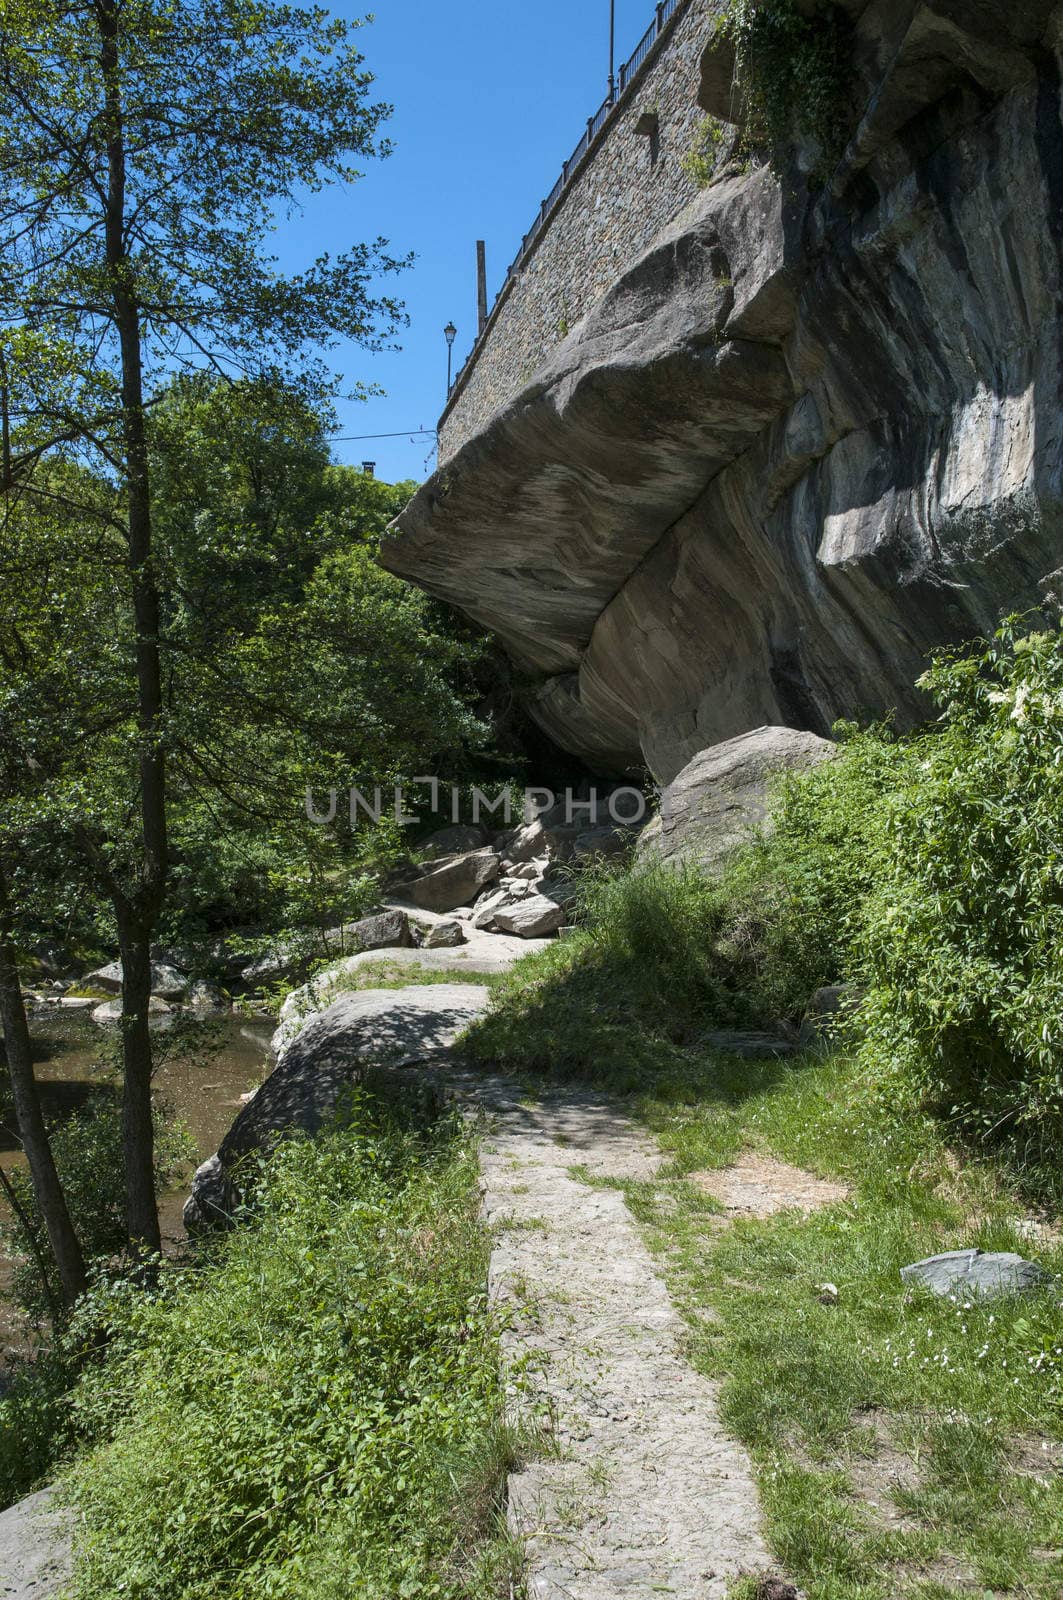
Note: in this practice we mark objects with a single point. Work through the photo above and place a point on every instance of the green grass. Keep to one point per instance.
(897, 1440)
(314, 1409)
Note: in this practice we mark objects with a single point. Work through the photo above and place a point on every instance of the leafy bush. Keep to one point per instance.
(87, 1149)
(790, 73)
(315, 1409)
(965, 929)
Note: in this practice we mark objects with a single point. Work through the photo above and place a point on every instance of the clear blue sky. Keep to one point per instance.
(490, 97)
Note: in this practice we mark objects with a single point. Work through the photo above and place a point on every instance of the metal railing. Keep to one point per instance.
(629, 71)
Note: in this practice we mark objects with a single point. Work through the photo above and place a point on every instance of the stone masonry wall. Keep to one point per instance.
(631, 185)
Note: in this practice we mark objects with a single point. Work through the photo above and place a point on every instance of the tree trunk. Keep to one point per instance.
(31, 1128)
(138, 1135)
(138, 918)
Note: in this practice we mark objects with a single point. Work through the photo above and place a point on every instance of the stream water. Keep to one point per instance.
(203, 1087)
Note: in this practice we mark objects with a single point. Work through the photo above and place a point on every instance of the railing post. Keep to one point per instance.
(660, 15)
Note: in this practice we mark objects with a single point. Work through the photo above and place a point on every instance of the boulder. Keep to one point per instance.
(485, 954)
(531, 918)
(454, 882)
(110, 1012)
(803, 438)
(720, 797)
(829, 1010)
(207, 999)
(35, 1547)
(166, 981)
(444, 936)
(483, 913)
(376, 1027)
(979, 1274)
(456, 840)
(387, 928)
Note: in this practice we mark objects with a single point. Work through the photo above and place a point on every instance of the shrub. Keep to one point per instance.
(790, 74)
(314, 1410)
(965, 929)
(87, 1149)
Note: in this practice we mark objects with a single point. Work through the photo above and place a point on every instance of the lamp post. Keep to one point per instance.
(450, 333)
(612, 51)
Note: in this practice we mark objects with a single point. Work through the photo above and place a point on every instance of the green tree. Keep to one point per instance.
(147, 147)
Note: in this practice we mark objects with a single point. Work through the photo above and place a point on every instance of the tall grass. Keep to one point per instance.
(313, 1411)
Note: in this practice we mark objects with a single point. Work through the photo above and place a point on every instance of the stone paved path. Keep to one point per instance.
(645, 1494)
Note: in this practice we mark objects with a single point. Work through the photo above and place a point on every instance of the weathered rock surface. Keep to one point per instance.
(34, 1548)
(166, 982)
(533, 917)
(444, 936)
(109, 1013)
(979, 1274)
(811, 434)
(391, 1027)
(483, 955)
(722, 795)
(454, 882)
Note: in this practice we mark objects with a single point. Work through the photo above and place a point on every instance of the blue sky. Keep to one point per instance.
(490, 97)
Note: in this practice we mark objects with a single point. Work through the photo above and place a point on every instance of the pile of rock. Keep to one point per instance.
(508, 883)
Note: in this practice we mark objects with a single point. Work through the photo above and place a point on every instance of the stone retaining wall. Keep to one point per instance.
(630, 186)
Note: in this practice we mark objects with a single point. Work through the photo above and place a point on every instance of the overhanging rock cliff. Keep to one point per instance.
(810, 435)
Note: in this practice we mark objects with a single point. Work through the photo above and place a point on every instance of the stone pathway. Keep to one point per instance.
(643, 1493)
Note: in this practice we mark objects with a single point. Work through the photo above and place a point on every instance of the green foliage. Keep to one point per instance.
(790, 74)
(314, 1410)
(702, 159)
(87, 1148)
(965, 929)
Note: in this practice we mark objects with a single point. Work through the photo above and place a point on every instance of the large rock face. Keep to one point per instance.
(811, 435)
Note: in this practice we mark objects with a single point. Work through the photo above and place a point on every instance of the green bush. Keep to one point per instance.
(314, 1411)
(964, 938)
(790, 73)
(87, 1149)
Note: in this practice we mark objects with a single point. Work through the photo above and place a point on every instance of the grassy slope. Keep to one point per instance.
(316, 1411)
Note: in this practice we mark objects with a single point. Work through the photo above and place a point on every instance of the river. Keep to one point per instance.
(203, 1087)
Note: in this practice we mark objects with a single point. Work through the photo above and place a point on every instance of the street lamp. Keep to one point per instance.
(612, 51)
(450, 333)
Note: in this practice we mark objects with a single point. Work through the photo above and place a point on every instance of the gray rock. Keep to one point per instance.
(976, 1273)
(108, 978)
(166, 981)
(207, 999)
(456, 840)
(390, 1027)
(483, 912)
(109, 1014)
(485, 954)
(76, 1002)
(35, 1548)
(454, 882)
(721, 796)
(808, 437)
(829, 1011)
(444, 936)
(531, 918)
(379, 932)
(602, 842)
(749, 1042)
